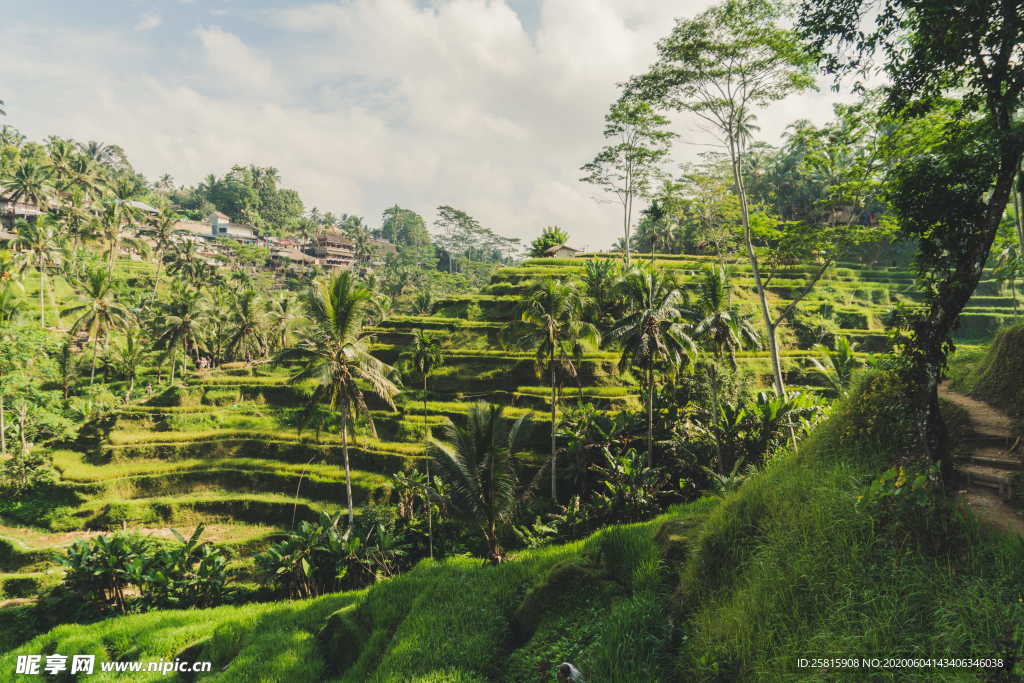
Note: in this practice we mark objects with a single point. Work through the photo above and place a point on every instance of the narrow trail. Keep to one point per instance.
(991, 458)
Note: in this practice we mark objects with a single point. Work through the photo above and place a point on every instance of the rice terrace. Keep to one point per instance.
(509, 340)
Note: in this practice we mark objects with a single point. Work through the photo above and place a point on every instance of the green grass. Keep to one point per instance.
(454, 620)
(995, 374)
(790, 567)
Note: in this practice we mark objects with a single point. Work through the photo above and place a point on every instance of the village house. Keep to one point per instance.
(11, 211)
(332, 249)
(221, 226)
(561, 251)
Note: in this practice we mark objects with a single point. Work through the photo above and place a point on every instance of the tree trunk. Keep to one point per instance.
(554, 451)
(650, 412)
(627, 211)
(348, 471)
(430, 506)
(3, 429)
(1018, 208)
(42, 299)
(766, 314)
(92, 373)
(954, 291)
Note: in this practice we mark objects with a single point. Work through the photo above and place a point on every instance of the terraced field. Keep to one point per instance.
(225, 449)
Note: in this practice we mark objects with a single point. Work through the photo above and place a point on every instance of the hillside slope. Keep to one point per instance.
(815, 557)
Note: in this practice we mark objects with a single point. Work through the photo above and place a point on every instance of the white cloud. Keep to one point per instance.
(236, 66)
(368, 103)
(148, 22)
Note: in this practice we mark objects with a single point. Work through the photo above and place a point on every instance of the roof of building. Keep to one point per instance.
(558, 247)
(220, 215)
(194, 227)
(295, 255)
(142, 206)
(7, 236)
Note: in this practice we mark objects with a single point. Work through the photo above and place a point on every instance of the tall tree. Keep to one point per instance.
(652, 332)
(99, 311)
(403, 227)
(40, 239)
(950, 195)
(423, 356)
(720, 66)
(478, 464)
(552, 236)
(246, 337)
(629, 164)
(552, 323)
(164, 232)
(180, 327)
(334, 352)
(30, 182)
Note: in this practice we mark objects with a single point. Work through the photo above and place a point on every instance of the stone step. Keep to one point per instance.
(996, 460)
(1000, 480)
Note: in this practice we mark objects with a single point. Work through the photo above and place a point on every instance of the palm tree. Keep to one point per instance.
(114, 222)
(40, 239)
(478, 465)
(334, 352)
(246, 325)
(551, 322)
(186, 263)
(99, 312)
(30, 183)
(717, 323)
(652, 331)
(720, 327)
(10, 303)
(600, 283)
(840, 362)
(128, 357)
(282, 314)
(163, 237)
(422, 357)
(180, 326)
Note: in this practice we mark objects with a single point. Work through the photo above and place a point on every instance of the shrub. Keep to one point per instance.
(21, 587)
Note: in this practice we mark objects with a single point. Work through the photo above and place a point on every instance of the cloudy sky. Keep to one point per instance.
(487, 105)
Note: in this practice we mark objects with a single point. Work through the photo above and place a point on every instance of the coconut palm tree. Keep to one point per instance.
(30, 182)
(840, 363)
(127, 359)
(422, 357)
(180, 327)
(246, 325)
(717, 324)
(10, 303)
(114, 224)
(334, 352)
(600, 279)
(163, 237)
(722, 329)
(477, 463)
(186, 263)
(39, 240)
(282, 314)
(551, 322)
(653, 331)
(99, 312)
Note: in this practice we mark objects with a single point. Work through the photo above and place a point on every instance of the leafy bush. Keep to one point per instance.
(20, 587)
(126, 572)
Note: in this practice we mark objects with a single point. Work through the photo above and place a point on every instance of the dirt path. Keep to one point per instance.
(991, 463)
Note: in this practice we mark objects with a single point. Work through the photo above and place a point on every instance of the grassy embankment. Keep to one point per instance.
(792, 565)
